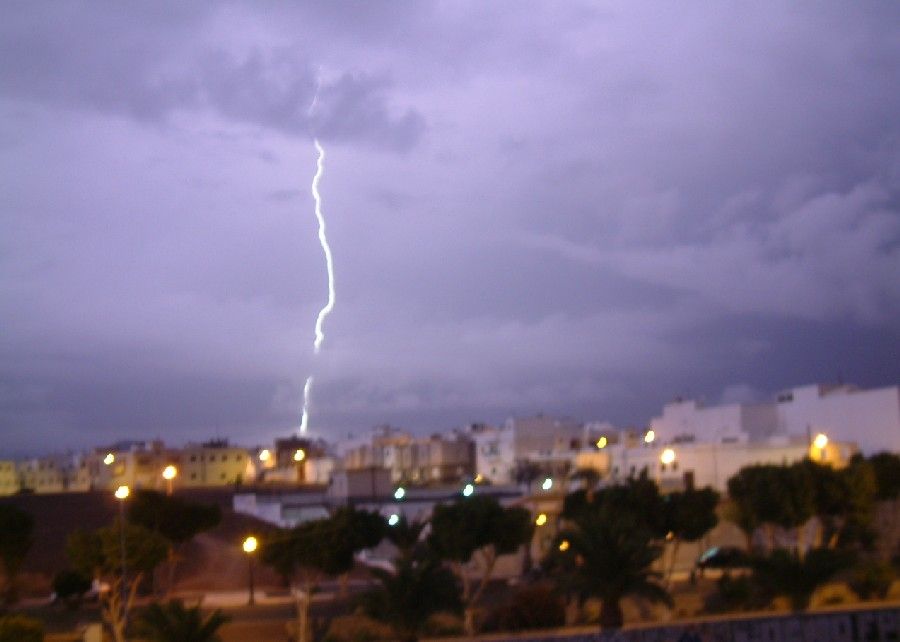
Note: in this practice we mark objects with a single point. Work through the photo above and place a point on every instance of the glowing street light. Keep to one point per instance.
(820, 442)
(299, 454)
(650, 436)
(169, 473)
(265, 455)
(109, 459)
(400, 493)
(564, 546)
(548, 484)
(122, 493)
(394, 519)
(468, 489)
(667, 457)
(250, 545)
(541, 519)
(601, 443)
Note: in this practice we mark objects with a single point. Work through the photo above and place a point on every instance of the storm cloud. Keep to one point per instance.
(532, 206)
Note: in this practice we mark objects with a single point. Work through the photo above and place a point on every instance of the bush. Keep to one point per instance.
(19, 628)
(70, 586)
(533, 607)
(786, 574)
(739, 593)
(872, 579)
(357, 628)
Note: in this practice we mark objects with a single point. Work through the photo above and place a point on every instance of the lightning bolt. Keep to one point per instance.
(329, 265)
(326, 249)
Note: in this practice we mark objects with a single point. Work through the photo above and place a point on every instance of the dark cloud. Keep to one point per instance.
(152, 70)
(594, 211)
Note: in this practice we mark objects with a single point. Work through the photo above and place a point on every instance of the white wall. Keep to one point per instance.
(871, 418)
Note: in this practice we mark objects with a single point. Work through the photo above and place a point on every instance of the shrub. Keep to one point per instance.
(357, 628)
(19, 628)
(738, 593)
(786, 574)
(533, 607)
(70, 586)
(872, 579)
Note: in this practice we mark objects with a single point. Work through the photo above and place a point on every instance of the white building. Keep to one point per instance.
(546, 441)
(696, 464)
(869, 418)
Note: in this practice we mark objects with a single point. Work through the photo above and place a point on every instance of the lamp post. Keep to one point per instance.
(820, 442)
(169, 473)
(666, 458)
(250, 546)
(122, 493)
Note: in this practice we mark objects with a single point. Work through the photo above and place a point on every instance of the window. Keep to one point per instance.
(193, 457)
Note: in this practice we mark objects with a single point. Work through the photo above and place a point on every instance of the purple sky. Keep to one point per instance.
(532, 206)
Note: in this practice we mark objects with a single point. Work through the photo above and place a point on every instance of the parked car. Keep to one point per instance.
(723, 557)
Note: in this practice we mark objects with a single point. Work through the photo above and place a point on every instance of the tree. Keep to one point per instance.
(312, 551)
(886, 468)
(770, 496)
(70, 587)
(406, 536)
(844, 500)
(357, 530)
(172, 622)
(690, 515)
(176, 519)
(16, 538)
(99, 554)
(477, 527)
(606, 550)
(787, 573)
(406, 597)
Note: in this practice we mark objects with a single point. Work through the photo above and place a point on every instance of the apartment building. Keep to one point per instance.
(548, 442)
(869, 418)
(435, 459)
(9, 478)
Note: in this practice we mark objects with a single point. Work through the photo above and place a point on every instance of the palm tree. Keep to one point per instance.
(608, 555)
(418, 587)
(172, 622)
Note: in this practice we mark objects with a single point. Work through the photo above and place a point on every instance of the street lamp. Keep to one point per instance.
(400, 493)
(601, 443)
(122, 493)
(109, 459)
(820, 442)
(547, 484)
(265, 454)
(467, 490)
(667, 457)
(650, 436)
(299, 454)
(250, 545)
(169, 473)
(541, 519)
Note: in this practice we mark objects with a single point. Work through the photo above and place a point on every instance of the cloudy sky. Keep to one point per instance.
(575, 208)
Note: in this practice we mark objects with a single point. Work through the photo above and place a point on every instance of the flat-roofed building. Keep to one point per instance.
(9, 477)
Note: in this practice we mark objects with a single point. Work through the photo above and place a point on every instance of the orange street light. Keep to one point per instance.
(169, 473)
(250, 545)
